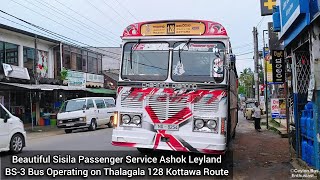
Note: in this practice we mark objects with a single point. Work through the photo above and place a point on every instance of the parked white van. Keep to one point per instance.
(12, 133)
(89, 112)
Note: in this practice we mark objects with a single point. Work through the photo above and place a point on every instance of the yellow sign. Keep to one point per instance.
(269, 68)
(173, 28)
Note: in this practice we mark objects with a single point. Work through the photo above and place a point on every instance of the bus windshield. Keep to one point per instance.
(145, 61)
(198, 62)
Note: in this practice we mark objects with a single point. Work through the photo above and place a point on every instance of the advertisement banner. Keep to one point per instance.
(278, 108)
(278, 66)
(275, 108)
(268, 65)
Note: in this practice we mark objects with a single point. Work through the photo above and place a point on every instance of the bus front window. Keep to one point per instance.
(145, 61)
(198, 62)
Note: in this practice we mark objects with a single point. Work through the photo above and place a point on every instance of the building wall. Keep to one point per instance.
(27, 41)
(111, 57)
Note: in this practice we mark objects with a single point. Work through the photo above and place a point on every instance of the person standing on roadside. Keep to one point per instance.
(257, 116)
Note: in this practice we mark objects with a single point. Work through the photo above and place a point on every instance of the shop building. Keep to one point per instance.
(38, 73)
(298, 27)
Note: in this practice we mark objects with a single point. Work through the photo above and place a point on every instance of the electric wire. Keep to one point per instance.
(115, 35)
(58, 22)
(77, 21)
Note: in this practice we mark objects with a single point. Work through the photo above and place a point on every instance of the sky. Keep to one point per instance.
(100, 23)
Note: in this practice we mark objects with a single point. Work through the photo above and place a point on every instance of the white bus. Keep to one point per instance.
(177, 88)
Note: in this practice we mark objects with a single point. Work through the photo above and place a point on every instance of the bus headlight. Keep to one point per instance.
(212, 124)
(199, 123)
(126, 119)
(136, 119)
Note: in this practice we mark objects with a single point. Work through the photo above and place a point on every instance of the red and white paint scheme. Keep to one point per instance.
(177, 88)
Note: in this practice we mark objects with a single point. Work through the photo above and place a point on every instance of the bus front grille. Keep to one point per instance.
(166, 107)
(206, 106)
(130, 101)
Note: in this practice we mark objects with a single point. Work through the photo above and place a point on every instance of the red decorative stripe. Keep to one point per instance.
(179, 116)
(209, 151)
(126, 144)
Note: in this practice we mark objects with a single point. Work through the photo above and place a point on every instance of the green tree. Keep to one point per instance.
(246, 80)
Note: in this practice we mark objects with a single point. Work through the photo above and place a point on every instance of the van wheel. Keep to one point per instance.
(93, 125)
(145, 150)
(16, 143)
(67, 131)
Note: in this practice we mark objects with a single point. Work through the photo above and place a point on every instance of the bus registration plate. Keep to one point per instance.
(169, 127)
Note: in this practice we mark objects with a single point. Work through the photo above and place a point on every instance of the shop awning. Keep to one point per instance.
(45, 87)
(102, 91)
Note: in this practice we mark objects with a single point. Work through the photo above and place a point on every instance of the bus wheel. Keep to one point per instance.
(145, 150)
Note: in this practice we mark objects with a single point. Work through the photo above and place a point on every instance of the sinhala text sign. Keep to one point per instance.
(278, 66)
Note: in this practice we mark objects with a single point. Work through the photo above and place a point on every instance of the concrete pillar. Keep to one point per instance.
(20, 55)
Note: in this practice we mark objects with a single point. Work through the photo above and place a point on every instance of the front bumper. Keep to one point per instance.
(74, 125)
(197, 142)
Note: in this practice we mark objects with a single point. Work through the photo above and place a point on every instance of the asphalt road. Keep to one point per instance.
(81, 140)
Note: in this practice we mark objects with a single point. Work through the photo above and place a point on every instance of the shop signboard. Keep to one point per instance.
(266, 7)
(290, 13)
(278, 66)
(76, 78)
(15, 71)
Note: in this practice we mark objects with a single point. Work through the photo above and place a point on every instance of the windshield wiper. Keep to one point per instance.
(180, 50)
(131, 52)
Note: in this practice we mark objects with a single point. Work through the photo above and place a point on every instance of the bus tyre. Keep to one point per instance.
(93, 125)
(16, 143)
(145, 150)
(68, 131)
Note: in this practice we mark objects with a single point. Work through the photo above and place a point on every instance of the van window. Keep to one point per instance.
(73, 105)
(109, 102)
(90, 104)
(3, 113)
(100, 103)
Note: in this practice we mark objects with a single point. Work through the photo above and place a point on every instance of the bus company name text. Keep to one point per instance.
(69, 159)
(167, 85)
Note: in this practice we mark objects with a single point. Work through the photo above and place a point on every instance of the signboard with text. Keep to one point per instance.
(174, 28)
(15, 71)
(278, 108)
(278, 66)
(76, 78)
(266, 7)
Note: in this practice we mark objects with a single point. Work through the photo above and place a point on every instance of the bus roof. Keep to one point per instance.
(175, 28)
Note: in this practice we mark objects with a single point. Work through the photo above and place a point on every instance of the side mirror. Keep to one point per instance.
(84, 107)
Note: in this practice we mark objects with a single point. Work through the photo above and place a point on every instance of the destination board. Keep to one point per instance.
(173, 28)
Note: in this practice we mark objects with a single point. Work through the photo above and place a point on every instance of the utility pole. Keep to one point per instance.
(256, 59)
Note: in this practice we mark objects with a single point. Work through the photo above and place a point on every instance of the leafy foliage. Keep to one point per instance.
(246, 82)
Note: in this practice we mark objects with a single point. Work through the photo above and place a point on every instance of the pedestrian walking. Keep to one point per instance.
(257, 116)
